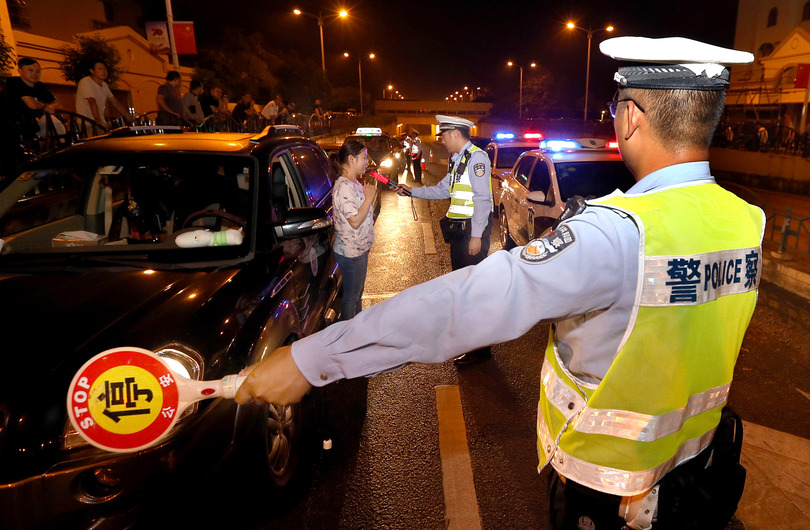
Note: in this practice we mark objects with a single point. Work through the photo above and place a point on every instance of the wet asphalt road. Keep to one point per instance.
(384, 470)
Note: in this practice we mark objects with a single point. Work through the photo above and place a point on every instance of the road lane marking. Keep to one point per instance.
(802, 392)
(430, 244)
(379, 296)
(461, 504)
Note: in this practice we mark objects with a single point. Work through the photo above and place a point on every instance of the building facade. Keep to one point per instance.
(40, 28)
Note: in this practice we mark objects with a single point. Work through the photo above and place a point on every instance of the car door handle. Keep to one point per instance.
(281, 283)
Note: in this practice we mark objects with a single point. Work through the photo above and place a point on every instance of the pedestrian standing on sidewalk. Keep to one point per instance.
(649, 293)
(354, 222)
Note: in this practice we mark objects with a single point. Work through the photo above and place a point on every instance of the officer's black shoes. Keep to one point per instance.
(473, 357)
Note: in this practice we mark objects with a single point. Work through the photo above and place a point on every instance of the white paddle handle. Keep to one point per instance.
(230, 385)
(192, 391)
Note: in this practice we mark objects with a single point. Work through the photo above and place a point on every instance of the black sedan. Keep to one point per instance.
(210, 250)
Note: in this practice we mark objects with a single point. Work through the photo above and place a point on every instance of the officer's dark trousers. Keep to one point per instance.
(417, 167)
(460, 247)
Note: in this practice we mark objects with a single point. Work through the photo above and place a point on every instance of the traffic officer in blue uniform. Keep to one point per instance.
(467, 184)
(649, 293)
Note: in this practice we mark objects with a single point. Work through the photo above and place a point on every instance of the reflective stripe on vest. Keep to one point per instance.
(660, 401)
(461, 191)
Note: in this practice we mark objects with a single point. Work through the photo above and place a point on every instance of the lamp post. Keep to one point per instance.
(590, 33)
(390, 93)
(340, 14)
(520, 97)
(360, 74)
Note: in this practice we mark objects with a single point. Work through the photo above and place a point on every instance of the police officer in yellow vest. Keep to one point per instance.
(468, 185)
(649, 291)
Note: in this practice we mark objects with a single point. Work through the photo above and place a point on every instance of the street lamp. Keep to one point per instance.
(590, 33)
(520, 97)
(390, 93)
(360, 74)
(340, 14)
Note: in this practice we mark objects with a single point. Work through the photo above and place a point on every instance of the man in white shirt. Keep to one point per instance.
(270, 111)
(92, 95)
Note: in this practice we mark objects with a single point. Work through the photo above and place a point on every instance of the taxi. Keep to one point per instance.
(533, 194)
(384, 151)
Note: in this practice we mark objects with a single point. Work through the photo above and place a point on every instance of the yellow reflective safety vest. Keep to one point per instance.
(461, 192)
(700, 261)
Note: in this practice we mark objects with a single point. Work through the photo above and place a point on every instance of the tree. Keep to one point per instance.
(242, 64)
(6, 57)
(87, 50)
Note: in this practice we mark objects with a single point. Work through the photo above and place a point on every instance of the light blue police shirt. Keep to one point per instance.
(482, 197)
(587, 290)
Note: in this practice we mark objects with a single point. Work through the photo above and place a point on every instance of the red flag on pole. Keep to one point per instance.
(802, 75)
(184, 38)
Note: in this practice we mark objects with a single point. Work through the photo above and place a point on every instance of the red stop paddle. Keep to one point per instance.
(127, 399)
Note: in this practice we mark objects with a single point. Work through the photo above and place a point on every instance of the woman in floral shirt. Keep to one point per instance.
(354, 222)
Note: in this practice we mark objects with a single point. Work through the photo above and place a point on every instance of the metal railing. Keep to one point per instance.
(769, 138)
(790, 233)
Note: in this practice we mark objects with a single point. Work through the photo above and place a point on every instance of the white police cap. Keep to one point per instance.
(448, 123)
(674, 63)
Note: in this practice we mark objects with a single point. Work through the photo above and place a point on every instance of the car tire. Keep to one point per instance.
(506, 240)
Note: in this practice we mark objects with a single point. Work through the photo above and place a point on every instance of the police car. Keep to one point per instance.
(503, 152)
(385, 151)
(534, 193)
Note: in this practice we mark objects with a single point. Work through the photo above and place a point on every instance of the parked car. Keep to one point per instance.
(534, 193)
(94, 254)
(386, 152)
(502, 156)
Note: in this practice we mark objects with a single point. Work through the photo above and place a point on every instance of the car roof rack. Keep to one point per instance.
(143, 130)
(279, 131)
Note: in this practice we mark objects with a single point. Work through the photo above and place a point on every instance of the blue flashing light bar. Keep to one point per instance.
(504, 136)
(559, 145)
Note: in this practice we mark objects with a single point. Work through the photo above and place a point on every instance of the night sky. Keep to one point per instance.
(428, 49)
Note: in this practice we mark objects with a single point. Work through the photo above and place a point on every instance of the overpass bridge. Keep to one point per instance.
(421, 114)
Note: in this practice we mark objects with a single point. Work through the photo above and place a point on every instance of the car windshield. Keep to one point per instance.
(507, 156)
(173, 207)
(592, 178)
(372, 143)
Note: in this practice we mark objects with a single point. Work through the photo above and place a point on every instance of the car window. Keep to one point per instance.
(115, 202)
(285, 191)
(593, 178)
(540, 179)
(372, 143)
(508, 155)
(313, 168)
(523, 170)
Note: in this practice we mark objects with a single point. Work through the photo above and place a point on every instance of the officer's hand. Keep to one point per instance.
(475, 245)
(276, 379)
(402, 189)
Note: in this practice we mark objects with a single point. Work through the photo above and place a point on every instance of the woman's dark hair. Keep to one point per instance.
(339, 159)
(173, 75)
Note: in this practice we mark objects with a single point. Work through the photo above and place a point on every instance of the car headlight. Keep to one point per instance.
(181, 359)
(387, 163)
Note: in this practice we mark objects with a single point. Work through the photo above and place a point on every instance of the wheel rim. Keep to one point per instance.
(280, 431)
(504, 229)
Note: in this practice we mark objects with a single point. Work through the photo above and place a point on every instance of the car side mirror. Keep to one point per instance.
(537, 197)
(300, 222)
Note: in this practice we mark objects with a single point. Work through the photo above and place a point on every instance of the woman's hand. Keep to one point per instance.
(369, 191)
